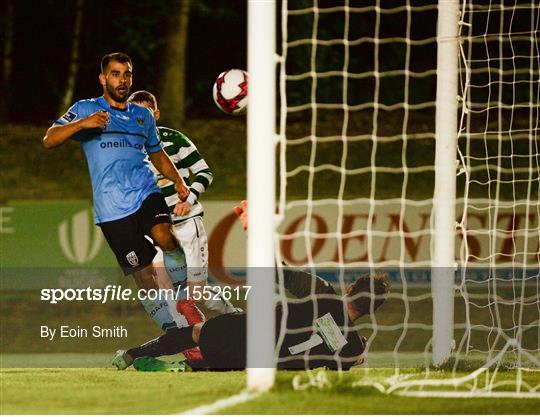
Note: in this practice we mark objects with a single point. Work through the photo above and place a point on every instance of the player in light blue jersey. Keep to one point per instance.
(116, 137)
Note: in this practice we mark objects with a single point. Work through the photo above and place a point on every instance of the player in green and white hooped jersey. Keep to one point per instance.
(188, 225)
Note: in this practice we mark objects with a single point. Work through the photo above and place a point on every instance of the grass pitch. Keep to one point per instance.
(107, 391)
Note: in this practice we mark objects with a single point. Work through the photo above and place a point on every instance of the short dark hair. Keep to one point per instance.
(381, 287)
(143, 96)
(114, 56)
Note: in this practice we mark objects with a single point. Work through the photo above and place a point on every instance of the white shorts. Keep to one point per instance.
(194, 242)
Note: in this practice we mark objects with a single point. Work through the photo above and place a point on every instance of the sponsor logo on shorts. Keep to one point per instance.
(162, 215)
(132, 258)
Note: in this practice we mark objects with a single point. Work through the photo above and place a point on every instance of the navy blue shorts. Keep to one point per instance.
(127, 236)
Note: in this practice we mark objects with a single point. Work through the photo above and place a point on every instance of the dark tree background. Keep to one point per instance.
(42, 41)
(37, 48)
(42, 38)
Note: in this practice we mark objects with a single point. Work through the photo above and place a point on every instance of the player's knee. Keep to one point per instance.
(165, 238)
(169, 243)
(196, 332)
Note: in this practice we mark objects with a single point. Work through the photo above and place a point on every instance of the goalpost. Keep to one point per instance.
(261, 194)
(407, 141)
(444, 212)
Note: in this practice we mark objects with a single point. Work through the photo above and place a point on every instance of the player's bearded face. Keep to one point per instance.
(118, 81)
(119, 94)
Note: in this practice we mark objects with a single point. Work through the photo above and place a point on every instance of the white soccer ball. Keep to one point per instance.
(231, 91)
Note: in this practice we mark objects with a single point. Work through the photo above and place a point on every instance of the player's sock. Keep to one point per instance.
(194, 357)
(190, 311)
(178, 290)
(174, 341)
(221, 305)
(193, 315)
(122, 360)
(158, 310)
(176, 266)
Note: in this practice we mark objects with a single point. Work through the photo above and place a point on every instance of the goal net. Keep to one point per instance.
(367, 178)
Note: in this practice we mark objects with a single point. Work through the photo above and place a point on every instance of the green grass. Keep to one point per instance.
(107, 391)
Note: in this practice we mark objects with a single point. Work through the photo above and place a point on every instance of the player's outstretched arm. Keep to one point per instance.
(163, 164)
(202, 174)
(58, 135)
(302, 284)
(190, 158)
(299, 283)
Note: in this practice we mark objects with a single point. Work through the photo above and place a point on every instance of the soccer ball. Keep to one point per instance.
(231, 91)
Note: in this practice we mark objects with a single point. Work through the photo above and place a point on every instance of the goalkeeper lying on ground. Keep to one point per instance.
(222, 339)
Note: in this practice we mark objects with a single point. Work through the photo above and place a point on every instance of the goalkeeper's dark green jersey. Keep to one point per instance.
(295, 323)
(192, 167)
(223, 338)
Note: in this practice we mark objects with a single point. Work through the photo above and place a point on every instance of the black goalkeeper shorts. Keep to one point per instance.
(223, 341)
(126, 236)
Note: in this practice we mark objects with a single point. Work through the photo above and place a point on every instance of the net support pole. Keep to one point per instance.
(444, 201)
(261, 194)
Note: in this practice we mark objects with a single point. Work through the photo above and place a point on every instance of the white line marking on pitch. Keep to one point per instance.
(223, 403)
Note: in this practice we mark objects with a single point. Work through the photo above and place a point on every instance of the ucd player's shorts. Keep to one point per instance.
(126, 237)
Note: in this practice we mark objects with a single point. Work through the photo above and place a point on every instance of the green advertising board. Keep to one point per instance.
(53, 243)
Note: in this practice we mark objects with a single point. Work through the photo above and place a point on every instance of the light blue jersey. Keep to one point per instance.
(121, 178)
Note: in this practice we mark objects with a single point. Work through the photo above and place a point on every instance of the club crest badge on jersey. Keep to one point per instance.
(140, 121)
(69, 116)
(132, 258)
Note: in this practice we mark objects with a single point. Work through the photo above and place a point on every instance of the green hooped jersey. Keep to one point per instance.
(188, 160)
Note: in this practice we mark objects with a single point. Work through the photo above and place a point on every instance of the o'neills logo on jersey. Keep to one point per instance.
(132, 258)
(122, 143)
(79, 239)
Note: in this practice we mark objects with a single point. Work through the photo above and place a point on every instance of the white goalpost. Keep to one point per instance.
(261, 194)
(407, 142)
(444, 211)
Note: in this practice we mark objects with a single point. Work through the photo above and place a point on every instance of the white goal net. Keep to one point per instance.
(356, 163)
